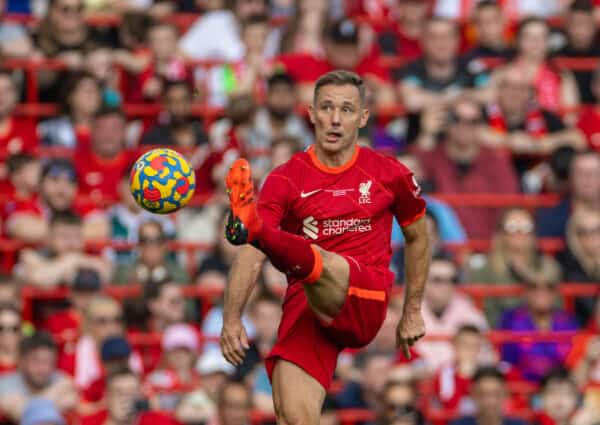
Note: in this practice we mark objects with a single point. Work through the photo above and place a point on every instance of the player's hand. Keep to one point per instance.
(234, 341)
(410, 329)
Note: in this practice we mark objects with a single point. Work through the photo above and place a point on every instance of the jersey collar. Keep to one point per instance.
(332, 170)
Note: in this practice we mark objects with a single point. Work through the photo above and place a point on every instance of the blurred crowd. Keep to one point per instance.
(110, 315)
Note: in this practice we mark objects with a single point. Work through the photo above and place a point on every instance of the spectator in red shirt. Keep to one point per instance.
(80, 100)
(176, 375)
(403, 37)
(10, 337)
(22, 215)
(59, 193)
(518, 123)
(559, 399)
(60, 262)
(17, 135)
(589, 118)
(342, 51)
(100, 168)
(453, 380)
(462, 165)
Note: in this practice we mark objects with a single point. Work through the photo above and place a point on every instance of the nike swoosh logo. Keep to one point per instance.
(307, 194)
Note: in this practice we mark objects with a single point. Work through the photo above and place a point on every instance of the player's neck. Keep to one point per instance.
(335, 159)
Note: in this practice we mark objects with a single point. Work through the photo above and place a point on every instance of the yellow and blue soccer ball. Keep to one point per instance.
(162, 181)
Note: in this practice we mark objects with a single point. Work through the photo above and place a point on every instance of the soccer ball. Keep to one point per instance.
(162, 181)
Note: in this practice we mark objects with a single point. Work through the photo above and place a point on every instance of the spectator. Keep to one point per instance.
(153, 261)
(584, 194)
(100, 169)
(489, 22)
(41, 411)
(176, 375)
(235, 404)
(538, 313)
(37, 376)
(15, 41)
(398, 403)
(166, 64)
(127, 216)
(589, 116)
(65, 325)
(303, 34)
(216, 34)
(488, 390)
(439, 76)
(463, 165)
(103, 318)
(165, 305)
(403, 36)
(342, 51)
(282, 150)
(10, 337)
(100, 63)
(64, 257)
(17, 135)
(365, 390)
(22, 215)
(514, 257)
(559, 398)
(518, 123)
(200, 405)
(444, 311)
(63, 34)
(554, 89)
(277, 119)
(581, 260)
(81, 99)
(10, 291)
(453, 380)
(176, 126)
(581, 41)
(59, 193)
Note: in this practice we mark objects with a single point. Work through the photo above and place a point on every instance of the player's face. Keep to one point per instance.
(337, 114)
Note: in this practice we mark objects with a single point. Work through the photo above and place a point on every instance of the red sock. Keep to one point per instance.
(291, 254)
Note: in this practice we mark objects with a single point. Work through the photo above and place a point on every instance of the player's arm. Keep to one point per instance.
(242, 279)
(416, 259)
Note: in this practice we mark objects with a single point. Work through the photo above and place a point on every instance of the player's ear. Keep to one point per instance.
(311, 113)
(364, 117)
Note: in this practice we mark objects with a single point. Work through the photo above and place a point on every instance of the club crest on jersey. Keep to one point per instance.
(365, 192)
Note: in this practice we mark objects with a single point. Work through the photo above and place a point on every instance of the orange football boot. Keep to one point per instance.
(243, 223)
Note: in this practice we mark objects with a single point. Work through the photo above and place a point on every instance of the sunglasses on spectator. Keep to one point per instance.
(514, 226)
(587, 231)
(542, 287)
(444, 279)
(107, 320)
(10, 329)
(75, 10)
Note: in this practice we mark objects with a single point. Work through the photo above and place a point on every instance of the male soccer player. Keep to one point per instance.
(324, 219)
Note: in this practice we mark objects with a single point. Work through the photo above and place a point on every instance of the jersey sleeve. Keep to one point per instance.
(408, 204)
(273, 199)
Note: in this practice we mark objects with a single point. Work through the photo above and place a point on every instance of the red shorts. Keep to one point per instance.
(313, 345)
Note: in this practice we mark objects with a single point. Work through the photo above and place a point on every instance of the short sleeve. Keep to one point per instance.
(273, 199)
(408, 204)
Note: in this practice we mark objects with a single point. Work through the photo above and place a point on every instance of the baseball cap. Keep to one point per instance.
(344, 31)
(58, 166)
(115, 348)
(87, 280)
(41, 411)
(180, 336)
(212, 361)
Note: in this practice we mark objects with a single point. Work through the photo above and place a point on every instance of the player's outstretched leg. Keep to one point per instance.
(324, 274)
(297, 396)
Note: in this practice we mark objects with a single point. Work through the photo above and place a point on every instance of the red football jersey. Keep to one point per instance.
(100, 178)
(346, 210)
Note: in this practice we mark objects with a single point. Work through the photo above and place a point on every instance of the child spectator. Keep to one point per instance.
(559, 399)
(22, 215)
